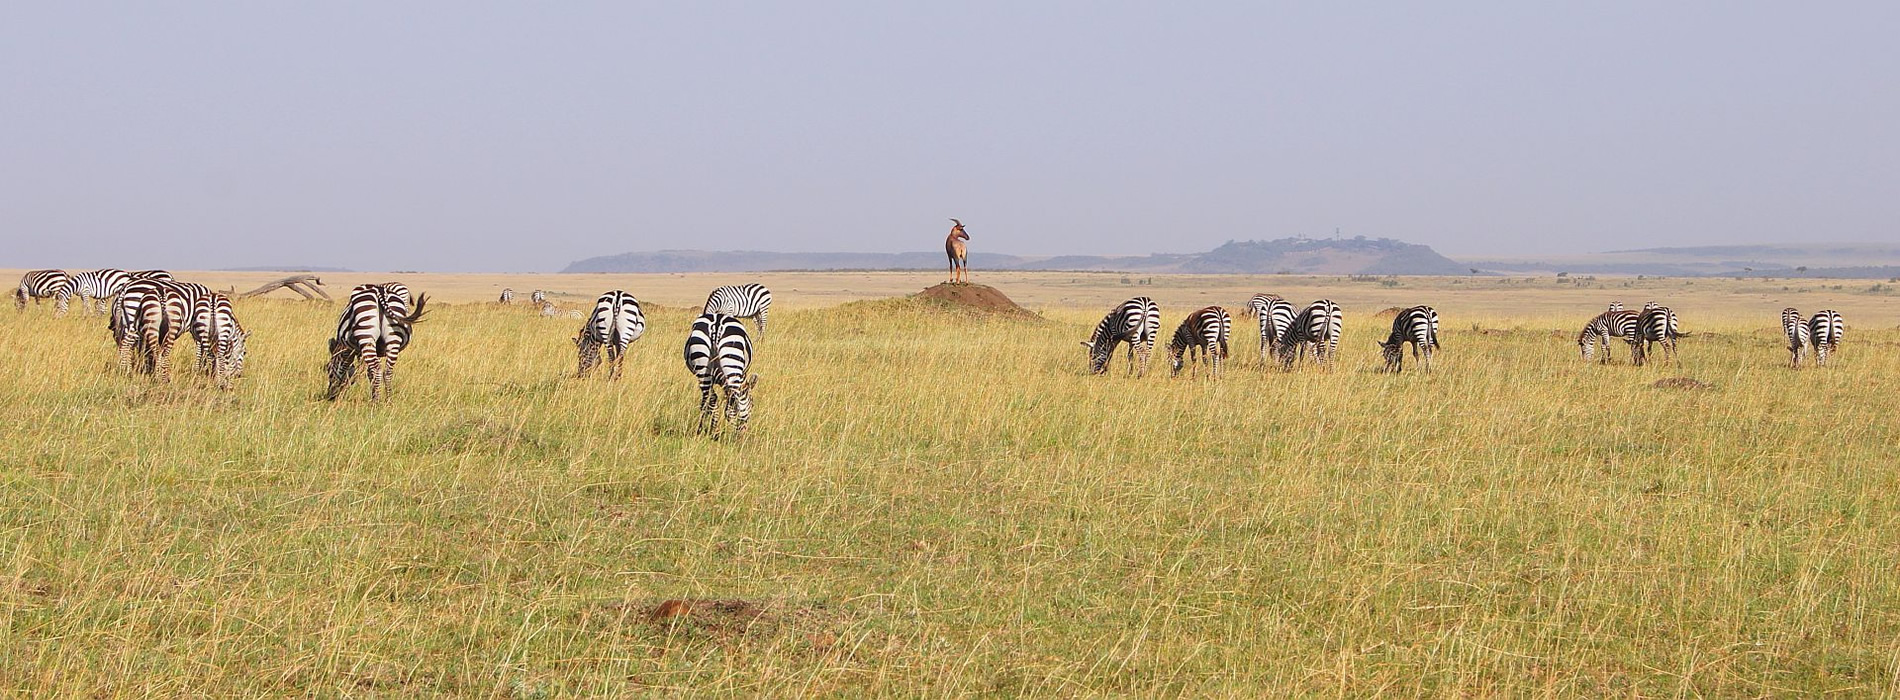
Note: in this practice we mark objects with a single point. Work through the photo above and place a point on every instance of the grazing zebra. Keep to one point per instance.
(1318, 325)
(1136, 322)
(220, 338)
(507, 295)
(741, 301)
(549, 310)
(1796, 329)
(1656, 324)
(376, 325)
(539, 297)
(44, 284)
(1417, 325)
(1825, 330)
(616, 323)
(1205, 330)
(95, 288)
(718, 352)
(1615, 323)
(1275, 316)
(148, 317)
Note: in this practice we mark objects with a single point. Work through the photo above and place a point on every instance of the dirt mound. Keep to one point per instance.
(1390, 312)
(1678, 383)
(977, 297)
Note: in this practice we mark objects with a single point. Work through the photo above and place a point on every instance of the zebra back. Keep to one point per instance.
(616, 321)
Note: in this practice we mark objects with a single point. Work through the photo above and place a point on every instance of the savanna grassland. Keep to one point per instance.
(932, 501)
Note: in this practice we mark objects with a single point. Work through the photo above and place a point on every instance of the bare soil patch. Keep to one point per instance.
(1679, 383)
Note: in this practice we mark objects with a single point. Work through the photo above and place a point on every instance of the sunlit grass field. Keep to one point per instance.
(934, 502)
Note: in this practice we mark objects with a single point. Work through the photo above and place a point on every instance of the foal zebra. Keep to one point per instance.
(1825, 331)
(44, 284)
(376, 325)
(1275, 316)
(1136, 322)
(1417, 325)
(1796, 329)
(220, 338)
(1656, 324)
(1615, 323)
(616, 323)
(741, 301)
(1318, 325)
(1205, 330)
(718, 352)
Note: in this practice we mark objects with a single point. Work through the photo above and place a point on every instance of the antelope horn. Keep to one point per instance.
(954, 221)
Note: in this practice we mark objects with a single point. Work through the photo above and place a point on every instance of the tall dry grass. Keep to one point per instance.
(935, 503)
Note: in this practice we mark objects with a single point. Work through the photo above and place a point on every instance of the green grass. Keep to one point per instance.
(932, 503)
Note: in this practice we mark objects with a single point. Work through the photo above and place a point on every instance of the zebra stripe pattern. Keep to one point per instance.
(1796, 329)
(719, 353)
(44, 284)
(1205, 331)
(96, 287)
(539, 297)
(1615, 323)
(1136, 322)
(1656, 324)
(1318, 325)
(507, 295)
(1825, 331)
(616, 323)
(1417, 325)
(147, 318)
(220, 338)
(741, 301)
(376, 325)
(1275, 316)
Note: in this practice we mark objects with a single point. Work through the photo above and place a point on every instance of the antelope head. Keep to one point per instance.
(958, 231)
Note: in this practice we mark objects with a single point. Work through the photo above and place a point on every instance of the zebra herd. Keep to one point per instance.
(1819, 335)
(718, 349)
(1285, 334)
(146, 313)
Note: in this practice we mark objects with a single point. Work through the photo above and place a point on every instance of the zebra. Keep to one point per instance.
(1656, 324)
(539, 297)
(718, 352)
(507, 295)
(549, 310)
(1417, 325)
(95, 288)
(376, 325)
(1275, 316)
(1618, 306)
(220, 338)
(44, 284)
(147, 318)
(1205, 330)
(1796, 329)
(1136, 322)
(741, 301)
(616, 323)
(159, 275)
(1318, 325)
(1825, 330)
(1615, 323)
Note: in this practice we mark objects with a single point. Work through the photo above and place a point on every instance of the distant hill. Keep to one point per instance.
(1843, 260)
(285, 268)
(1363, 256)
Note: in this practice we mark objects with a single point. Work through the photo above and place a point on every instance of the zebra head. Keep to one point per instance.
(589, 352)
(342, 367)
(1587, 344)
(237, 353)
(1392, 354)
(1098, 357)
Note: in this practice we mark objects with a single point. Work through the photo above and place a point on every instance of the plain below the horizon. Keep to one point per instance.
(1367, 256)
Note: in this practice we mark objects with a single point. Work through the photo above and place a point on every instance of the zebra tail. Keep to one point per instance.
(415, 314)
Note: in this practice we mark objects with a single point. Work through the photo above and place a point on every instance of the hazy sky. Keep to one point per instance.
(520, 136)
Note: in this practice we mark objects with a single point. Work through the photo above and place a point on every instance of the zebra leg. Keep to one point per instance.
(761, 321)
(1214, 358)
